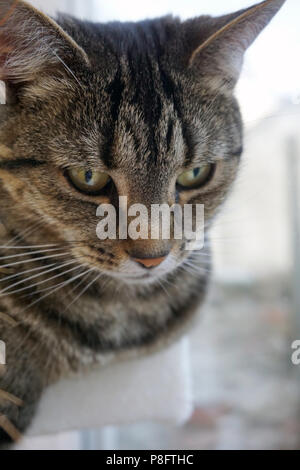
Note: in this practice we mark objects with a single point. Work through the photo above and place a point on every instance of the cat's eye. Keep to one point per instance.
(195, 178)
(88, 181)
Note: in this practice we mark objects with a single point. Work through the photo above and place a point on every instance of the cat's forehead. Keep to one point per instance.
(143, 117)
(154, 120)
(118, 122)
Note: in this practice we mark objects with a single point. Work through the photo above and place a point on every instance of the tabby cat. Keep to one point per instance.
(93, 112)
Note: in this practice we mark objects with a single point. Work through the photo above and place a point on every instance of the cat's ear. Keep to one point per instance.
(217, 45)
(31, 43)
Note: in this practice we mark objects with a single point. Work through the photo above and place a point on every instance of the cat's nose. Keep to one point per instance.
(150, 262)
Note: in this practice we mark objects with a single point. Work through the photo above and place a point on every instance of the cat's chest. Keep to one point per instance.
(109, 327)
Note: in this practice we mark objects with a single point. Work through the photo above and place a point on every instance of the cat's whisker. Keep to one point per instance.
(34, 260)
(22, 281)
(59, 286)
(85, 288)
(8, 319)
(80, 283)
(160, 283)
(28, 271)
(193, 272)
(25, 232)
(190, 272)
(29, 253)
(28, 247)
(67, 68)
(51, 287)
(195, 269)
(198, 263)
(46, 280)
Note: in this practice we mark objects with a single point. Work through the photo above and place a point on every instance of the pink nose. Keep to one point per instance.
(150, 262)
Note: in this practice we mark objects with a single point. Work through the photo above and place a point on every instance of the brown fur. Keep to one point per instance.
(142, 102)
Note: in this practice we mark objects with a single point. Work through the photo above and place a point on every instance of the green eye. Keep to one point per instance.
(88, 181)
(196, 177)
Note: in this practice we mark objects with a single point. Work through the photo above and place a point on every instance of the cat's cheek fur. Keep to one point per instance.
(13, 185)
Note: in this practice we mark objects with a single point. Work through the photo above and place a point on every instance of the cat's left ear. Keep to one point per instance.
(217, 45)
(31, 44)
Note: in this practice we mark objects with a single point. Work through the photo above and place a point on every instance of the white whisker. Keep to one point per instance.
(194, 269)
(34, 260)
(51, 287)
(80, 283)
(85, 288)
(28, 231)
(27, 247)
(28, 253)
(12, 276)
(35, 276)
(160, 283)
(63, 284)
(67, 68)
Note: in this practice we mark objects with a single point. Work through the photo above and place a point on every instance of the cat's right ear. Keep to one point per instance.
(215, 47)
(31, 44)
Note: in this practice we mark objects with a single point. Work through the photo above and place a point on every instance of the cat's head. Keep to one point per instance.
(144, 110)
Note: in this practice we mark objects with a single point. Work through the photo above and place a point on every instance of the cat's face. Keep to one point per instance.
(131, 118)
(143, 153)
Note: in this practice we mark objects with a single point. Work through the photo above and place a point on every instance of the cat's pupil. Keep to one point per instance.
(196, 172)
(88, 176)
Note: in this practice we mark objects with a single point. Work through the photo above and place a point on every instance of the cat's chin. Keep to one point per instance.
(138, 280)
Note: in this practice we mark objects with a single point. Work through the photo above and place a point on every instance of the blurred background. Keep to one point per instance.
(247, 392)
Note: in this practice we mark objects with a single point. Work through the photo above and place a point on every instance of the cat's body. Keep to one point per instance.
(104, 325)
(142, 103)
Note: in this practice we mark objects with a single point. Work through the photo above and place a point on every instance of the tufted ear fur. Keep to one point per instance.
(31, 44)
(217, 45)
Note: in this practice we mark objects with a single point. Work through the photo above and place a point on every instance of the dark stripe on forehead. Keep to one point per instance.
(20, 163)
(172, 91)
(146, 97)
(115, 91)
(134, 136)
(153, 110)
(169, 134)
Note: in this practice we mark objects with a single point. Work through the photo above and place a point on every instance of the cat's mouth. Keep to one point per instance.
(142, 278)
(131, 272)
